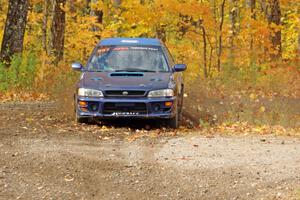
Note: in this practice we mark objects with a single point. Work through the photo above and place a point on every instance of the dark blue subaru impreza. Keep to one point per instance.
(130, 77)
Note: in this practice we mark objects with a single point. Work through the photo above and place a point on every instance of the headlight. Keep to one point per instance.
(161, 93)
(89, 92)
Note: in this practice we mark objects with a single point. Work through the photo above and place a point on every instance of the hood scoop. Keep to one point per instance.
(126, 74)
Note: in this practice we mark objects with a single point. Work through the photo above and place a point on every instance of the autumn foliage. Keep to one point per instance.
(233, 45)
(238, 34)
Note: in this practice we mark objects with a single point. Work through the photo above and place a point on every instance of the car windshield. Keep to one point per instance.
(128, 59)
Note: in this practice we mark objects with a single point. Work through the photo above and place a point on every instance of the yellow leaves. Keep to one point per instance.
(253, 96)
(107, 33)
(80, 37)
(33, 2)
(289, 3)
(98, 5)
(262, 109)
(191, 8)
(63, 7)
(275, 27)
(29, 119)
(178, 19)
(290, 33)
(145, 16)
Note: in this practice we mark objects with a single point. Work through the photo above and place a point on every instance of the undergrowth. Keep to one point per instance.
(29, 73)
(256, 95)
(21, 74)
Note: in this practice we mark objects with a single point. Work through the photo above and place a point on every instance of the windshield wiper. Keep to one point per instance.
(95, 71)
(134, 70)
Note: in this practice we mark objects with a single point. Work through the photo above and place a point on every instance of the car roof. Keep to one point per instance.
(130, 41)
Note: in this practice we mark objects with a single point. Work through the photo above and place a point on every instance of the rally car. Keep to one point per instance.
(130, 78)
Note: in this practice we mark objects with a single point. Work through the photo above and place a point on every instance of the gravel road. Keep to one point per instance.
(45, 155)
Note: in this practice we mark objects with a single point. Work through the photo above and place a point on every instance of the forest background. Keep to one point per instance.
(242, 55)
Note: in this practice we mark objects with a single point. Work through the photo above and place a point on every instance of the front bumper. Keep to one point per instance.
(125, 107)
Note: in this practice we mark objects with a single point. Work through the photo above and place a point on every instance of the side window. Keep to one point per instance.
(169, 56)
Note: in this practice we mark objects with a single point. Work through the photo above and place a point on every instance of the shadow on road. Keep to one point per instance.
(148, 124)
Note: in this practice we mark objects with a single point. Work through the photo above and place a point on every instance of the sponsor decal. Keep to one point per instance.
(144, 48)
(103, 50)
(130, 41)
(120, 49)
(125, 113)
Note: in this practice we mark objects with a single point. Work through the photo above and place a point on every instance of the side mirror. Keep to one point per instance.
(179, 67)
(77, 66)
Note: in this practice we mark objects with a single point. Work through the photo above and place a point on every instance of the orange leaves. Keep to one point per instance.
(17, 96)
(244, 128)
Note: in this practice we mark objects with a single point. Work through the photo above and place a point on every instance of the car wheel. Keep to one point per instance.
(181, 108)
(174, 122)
(81, 120)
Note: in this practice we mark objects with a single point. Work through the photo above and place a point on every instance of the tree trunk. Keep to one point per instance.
(45, 27)
(97, 13)
(117, 2)
(14, 29)
(251, 4)
(220, 46)
(274, 16)
(204, 52)
(233, 14)
(72, 6)
(87, 7)
(263, 7)
(58, 29)
(99, 16)
(161, 32)
(210, 56)
(298, 29)
(298, 50)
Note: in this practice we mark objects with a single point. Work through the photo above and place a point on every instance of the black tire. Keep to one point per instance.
(180, 116)
(174, 122)
(80, 120)
(180, 110)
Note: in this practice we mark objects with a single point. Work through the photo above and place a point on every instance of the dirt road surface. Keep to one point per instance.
(44, 155)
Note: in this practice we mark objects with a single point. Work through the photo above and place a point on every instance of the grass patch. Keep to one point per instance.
(20, 74)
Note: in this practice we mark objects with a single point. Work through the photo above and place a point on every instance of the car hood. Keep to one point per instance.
(125, 80)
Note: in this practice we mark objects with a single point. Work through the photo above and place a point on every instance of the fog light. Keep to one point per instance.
(156, 108)
(82, 103)
(168, 103)
(94, 107)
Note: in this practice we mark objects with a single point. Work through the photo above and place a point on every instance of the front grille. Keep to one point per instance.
(125, 93)
(110, 108)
